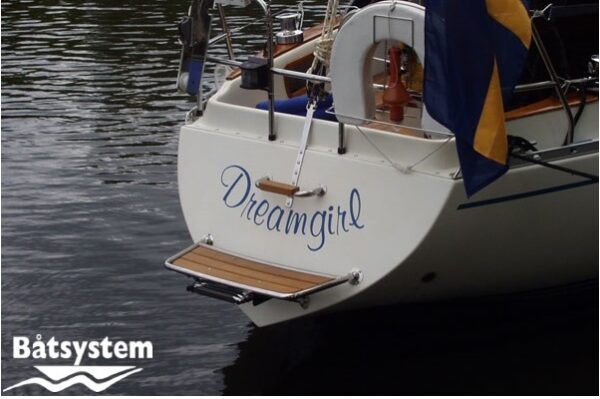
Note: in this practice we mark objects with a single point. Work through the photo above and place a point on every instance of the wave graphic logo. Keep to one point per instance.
(95, 378)
(56, 378)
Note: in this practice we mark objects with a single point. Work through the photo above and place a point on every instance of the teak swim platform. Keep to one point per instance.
(251, 277)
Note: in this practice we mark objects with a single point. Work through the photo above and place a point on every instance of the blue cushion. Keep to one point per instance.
(297, 106)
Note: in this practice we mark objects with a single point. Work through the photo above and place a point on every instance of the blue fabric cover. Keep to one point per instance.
(195, 68)
(297, 106)
(462, 43)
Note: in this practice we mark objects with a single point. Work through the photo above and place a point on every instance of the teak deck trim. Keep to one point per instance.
(219, 266)
(310, 34)
(547, 105)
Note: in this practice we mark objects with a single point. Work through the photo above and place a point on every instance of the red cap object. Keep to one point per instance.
(395, 96)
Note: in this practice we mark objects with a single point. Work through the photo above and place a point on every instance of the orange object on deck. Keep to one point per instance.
(395, 96)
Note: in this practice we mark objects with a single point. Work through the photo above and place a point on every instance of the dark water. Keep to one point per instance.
(90, 211)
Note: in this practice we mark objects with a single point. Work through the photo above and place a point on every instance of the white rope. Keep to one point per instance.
(322, 51)
(399, 167)
(431, 153)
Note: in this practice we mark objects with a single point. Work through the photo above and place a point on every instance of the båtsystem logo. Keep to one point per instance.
(96, 378)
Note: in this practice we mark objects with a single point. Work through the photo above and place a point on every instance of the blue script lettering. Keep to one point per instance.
(355, 206)
(240, 174)
(319, 232)
(332, 221)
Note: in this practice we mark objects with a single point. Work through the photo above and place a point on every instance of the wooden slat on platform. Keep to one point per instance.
(210, 262)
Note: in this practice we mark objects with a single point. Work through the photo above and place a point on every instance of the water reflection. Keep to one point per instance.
(497, 348)
(89, 195)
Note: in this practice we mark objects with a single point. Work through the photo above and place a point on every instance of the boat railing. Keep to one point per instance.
(537, 39)
(548, 84)
(561, 85)
(423, 133)
(265, 5)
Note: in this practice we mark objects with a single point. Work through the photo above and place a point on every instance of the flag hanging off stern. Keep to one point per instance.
(475, 52)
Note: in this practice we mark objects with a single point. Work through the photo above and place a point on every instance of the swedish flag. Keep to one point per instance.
(475, 51)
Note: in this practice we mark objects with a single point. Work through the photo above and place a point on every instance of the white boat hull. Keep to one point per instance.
(414, 235)
(395, 207)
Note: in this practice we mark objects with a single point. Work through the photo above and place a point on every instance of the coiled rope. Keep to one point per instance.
(322, 52)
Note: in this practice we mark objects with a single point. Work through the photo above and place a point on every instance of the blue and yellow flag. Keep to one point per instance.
(475, 51)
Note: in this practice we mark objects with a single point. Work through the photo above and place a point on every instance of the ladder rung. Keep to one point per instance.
(277, 187)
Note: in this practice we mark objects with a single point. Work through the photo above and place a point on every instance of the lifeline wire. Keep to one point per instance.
(401, 168)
